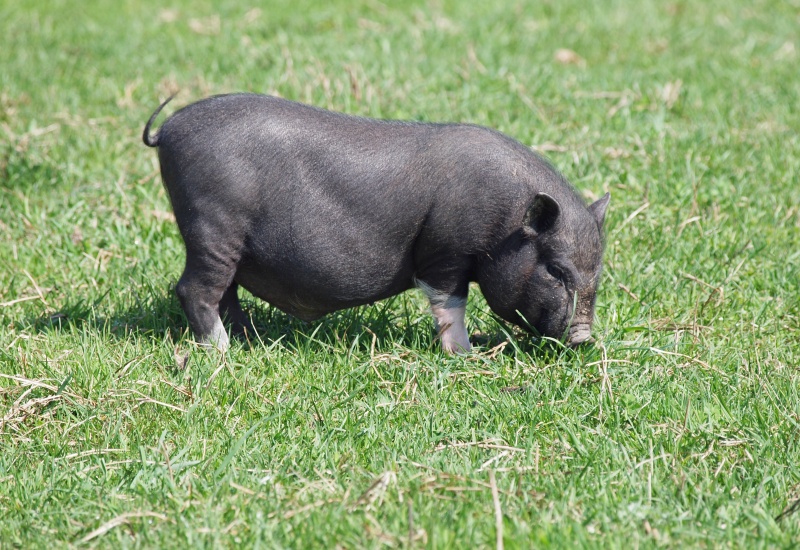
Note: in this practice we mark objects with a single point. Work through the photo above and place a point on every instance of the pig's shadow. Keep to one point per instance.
(398, 321)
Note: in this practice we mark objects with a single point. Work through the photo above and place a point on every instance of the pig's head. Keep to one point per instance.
(544, 276)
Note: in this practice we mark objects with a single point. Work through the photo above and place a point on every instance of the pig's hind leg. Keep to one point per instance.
(204, 290)
(231, 311)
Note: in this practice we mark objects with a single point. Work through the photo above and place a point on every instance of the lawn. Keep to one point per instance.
(679, 428)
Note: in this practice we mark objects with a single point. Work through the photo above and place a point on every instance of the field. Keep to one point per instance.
(680, 428)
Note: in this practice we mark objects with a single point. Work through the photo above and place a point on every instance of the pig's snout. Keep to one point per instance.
(580, 334)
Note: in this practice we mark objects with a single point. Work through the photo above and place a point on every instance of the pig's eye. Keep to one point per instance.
(556, 272)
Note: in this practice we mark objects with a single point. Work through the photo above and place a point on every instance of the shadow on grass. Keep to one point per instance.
(398, 322)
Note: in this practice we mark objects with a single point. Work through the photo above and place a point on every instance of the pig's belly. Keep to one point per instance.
(309, 290)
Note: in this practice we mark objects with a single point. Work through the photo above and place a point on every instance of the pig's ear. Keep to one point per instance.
(541, 215)
(598, 209)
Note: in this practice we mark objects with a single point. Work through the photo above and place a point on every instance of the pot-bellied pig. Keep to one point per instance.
(316, 211)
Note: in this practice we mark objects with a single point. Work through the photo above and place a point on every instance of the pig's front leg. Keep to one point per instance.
(451, 326)
(448, 311)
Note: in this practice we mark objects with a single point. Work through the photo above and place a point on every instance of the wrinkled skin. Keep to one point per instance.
(315, 211)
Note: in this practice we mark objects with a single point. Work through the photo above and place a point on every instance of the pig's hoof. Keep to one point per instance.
(217, 339)
(457, 348)
(220, 345)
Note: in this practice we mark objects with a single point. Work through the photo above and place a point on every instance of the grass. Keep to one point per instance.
(680, 428)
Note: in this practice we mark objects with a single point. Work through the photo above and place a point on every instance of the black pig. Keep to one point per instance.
(315, 211)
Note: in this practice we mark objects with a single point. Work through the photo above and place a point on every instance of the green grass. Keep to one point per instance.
(681, 428)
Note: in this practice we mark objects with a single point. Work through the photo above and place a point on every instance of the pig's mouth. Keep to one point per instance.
(580, 334)
(573, 335)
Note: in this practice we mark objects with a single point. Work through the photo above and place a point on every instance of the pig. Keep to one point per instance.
(315, 211)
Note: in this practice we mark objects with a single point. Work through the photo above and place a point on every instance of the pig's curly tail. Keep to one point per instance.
(152, 140)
